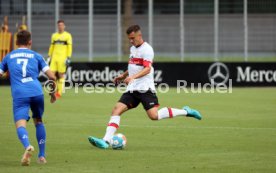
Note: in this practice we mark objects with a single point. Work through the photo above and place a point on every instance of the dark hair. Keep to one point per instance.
(60, 21)
(133, 28)
(23, 37)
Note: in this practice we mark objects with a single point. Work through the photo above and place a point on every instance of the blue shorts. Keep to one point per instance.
(21, 107)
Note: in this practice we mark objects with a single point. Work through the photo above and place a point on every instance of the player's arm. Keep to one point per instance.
(51, 48)
(147, 61)
(51, 76)
(3, 67)
(52, 85)
(69, 50)
(1, 71)
(69, 46)
(121, 77)
(140, 74)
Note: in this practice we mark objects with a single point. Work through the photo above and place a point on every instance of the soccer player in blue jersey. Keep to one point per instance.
(24, 66)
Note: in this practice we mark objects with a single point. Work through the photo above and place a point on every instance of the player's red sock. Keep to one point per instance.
(112, 127)
(167, 112)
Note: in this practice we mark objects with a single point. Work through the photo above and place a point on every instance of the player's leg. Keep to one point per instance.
(22, 132)
(41, 139)
(21, 109)
(53, 65)
(114, 121)
(150, 103)
(168, 112)
(112, 127)
(37, 107)
(60, 84)
(54, 69)
(126, 102)
(24, 138)
(61, 76)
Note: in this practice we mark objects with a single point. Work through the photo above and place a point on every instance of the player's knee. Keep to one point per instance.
(153, 117)
(153, 114)
(116, 111)
(38, 121)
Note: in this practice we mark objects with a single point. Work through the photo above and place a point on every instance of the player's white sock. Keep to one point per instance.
(170, 113)
(112, 126)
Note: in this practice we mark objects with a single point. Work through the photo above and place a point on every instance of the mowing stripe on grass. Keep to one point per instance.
(155, 126)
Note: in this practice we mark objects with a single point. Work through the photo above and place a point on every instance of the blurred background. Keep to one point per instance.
(179, 30)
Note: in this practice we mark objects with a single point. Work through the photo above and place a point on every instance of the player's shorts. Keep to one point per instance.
(21, 107)
(58, 65)
(133, 98)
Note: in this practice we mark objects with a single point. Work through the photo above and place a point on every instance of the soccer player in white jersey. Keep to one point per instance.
(140, 89)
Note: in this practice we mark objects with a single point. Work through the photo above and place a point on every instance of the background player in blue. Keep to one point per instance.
(24, 66)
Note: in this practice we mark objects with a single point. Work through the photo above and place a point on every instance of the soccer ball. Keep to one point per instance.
(118, 141)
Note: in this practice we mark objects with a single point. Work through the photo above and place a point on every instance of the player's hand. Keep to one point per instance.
(6, 75)
(53, 97)
(128, 80)
(67, 62)
(118, 79)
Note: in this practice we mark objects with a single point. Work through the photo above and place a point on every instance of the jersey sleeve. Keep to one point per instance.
(70, 45)
(3, 66)
(42, 64)
(148, 57)
(51, 48)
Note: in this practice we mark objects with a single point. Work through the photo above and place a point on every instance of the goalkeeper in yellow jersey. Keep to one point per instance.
(60, 52)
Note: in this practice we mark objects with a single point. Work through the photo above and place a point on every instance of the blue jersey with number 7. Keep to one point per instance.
(24, 66)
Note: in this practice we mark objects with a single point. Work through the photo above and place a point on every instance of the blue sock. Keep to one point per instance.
(22, 134)
(41, 138)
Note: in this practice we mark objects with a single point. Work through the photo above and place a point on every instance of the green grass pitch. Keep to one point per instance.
(237, 134)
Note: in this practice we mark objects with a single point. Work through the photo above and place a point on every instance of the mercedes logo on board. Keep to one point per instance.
(218, 73)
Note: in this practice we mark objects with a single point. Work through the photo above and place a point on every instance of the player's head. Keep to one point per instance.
(23, 38)
(134, 35)
(61, 25)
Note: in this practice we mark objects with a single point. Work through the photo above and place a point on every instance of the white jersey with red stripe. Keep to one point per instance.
(141, 57)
